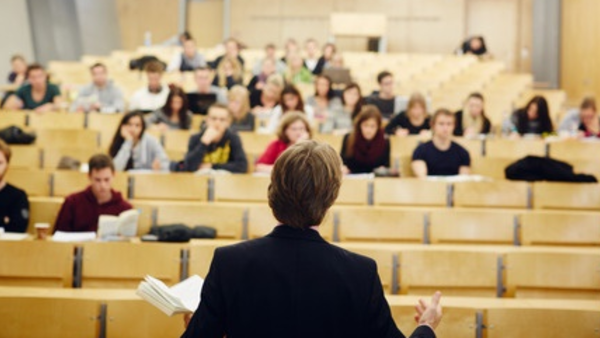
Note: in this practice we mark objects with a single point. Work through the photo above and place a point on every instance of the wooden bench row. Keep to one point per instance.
(120, 313)
(371, 224)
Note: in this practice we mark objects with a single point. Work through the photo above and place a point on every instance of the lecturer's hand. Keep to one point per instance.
(431, 314)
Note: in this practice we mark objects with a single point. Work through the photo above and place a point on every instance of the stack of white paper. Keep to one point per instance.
(13, 236)
(183, 297)
(63, 236)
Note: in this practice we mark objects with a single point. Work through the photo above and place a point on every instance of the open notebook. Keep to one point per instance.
(183, 297)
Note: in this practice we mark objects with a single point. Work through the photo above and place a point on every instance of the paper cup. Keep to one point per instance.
(42, 230)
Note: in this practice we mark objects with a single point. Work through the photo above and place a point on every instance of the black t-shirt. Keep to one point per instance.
(14, 209)
(402, 121)
(442, 163)
(386, 107)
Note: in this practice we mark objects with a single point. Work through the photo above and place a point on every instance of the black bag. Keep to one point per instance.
(203, 231)
(535, 168)
(16, 135)
(175, 233)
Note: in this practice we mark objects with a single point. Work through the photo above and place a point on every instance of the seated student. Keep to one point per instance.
(324, 102)
(441, 156)
(290, 48)
(329, 50)
(232, 51)
(205, 94)
(262, 101)
(174, 115)
(293, 128)
(132, 148)
(475, 46)
(296, 71)
(18, 70)
(38, 94)
(154, 95)
(311, 50)
(188, 60)
(258, 81)
(387, 102)
(413, 121)
(14, 206)
(366, 148)
(239, 107)
(80, 211)
(473, 122)
(102, 95)
(571, 121)
(534, 118)
(291, 100)
(269, 55)
(352, 100)
(216, 146)
(229, 73)
(590, 123)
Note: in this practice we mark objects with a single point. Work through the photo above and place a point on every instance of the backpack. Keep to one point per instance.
(16, 135)
(535, 168)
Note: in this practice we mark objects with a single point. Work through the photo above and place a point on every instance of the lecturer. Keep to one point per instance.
(292, 283)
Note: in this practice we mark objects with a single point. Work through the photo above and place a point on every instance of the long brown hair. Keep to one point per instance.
(359, 104)
(368, 112)
(290, 89)
(182, 113)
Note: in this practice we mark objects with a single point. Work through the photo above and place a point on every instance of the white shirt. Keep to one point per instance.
(142, 99)
(276, 114)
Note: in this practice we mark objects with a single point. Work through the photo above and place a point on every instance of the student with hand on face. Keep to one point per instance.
(216, 146)
(133, 148)
(441, 156)
(80, 211)
(471, 121)
(366, 148)
(37, 94)
(14, 205)
(293, 128)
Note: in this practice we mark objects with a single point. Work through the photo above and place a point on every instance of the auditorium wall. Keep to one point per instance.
(14, 40)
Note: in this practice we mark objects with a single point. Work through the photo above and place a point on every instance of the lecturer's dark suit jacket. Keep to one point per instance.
(292, 283)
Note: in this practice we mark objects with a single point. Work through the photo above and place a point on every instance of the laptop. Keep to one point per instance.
(199, 103)
(338, 75)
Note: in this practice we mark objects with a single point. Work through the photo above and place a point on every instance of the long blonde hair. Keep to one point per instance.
(237, 70)
(239, 92)
(468, 120)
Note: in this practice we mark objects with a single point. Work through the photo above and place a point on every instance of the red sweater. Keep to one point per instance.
(272, 152)
(80, 211)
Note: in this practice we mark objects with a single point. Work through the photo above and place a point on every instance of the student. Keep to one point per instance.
(366, 148)
(188, 60)
(293, 128)
(14, 206)
(269, 55)
(38, 94)
(216, 146)
(413, 121)
(291, 100)
(324, 102)
(475, 46)
(311, 50)
(258, 81)
(133, 148)
(590, 123)
(441, 156)
(534, 118)
(154, 95)
(290, 48)
(296, 71)
(571, 121)
(329, 50)
(102, 95)
(352, 99)
(80, 211)
(239, 107)
(229, 73)
(205, 93)
(262, 101)
(473, 122)
(232, 51)
(18, 73)
(174, 115)
(387, 102)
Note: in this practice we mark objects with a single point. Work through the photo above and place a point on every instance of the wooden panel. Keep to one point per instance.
(177, 140)
(472, 226)
(56, 121)
(53, 155)
(43, 210)
(34, 182)
(106, 125)
(574, 150)
(109, 265)
(147, 212)
(354, 191)
(67, 182)
(166, 186)
(384, 257)
(514, 149)
(261, 222)
(453, 272)
(560, 228)
(255, 143)
(226, 219)
(67, 137)
(576, 196)
(202, 14)
(136, 318)
(26, 157)
(356, 24)
(159, 17)
(36, 263)
(414, 192)
(573, 273)
(580, 75)
(12, 118)
(496, 194)
(241, 188)
(380, 224)
(473, 146)
(201, 255)
(493, 167)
